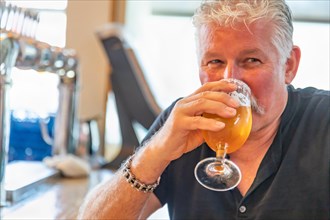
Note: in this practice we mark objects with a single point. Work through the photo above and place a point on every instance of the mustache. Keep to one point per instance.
(256, 107)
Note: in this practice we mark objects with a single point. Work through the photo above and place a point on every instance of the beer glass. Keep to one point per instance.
(219, 173)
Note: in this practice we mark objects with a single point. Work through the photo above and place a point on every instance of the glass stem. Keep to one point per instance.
(219, 167)
(221, 152)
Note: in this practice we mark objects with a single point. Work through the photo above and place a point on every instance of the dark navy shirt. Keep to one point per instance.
(292, 181)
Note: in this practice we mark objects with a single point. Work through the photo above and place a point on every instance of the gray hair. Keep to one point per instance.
(231, 12)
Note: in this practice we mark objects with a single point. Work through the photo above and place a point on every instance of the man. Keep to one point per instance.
(284, 162)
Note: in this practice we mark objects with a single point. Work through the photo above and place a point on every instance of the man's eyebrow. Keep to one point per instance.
(254, 51)
(210, 54)
(251, 51)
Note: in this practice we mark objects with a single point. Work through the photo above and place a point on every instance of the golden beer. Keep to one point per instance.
(234, 134)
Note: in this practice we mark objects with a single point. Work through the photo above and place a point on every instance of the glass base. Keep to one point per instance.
(213, 175)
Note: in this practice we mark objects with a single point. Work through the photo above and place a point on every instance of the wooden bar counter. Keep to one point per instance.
(57, 198)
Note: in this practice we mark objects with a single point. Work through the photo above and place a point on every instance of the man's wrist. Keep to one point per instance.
(134, 182)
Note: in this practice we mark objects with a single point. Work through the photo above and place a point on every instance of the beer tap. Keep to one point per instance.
(8, 54)
(67, 87)
(19, 48)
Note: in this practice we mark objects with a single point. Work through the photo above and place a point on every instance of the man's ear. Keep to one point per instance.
(292, 64)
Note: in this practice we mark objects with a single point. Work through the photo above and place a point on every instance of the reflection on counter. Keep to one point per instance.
(56, 197)
(24, 177)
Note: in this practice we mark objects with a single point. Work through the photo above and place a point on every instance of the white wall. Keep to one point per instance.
(83, 17)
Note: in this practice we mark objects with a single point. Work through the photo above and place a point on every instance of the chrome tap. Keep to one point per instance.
(8, 54)
(20, 49)
(66, 122)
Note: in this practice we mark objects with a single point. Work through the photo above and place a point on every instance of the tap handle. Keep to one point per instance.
(19, 21)
(4, 16)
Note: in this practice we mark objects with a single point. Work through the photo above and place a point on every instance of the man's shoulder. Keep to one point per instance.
(308, 107)
(310, 92)
(310, 98)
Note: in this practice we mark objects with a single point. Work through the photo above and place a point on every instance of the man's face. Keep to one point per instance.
(250, 57)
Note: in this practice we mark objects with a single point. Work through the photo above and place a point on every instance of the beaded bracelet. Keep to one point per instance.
(134, 182)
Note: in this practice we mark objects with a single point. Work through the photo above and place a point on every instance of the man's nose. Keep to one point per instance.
(231, 71)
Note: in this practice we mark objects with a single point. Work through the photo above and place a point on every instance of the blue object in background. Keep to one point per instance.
(25, 142)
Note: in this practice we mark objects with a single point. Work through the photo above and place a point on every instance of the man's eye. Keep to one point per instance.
(214, 63)
(253, 60)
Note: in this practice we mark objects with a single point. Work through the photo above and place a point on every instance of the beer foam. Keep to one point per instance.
(241, 98)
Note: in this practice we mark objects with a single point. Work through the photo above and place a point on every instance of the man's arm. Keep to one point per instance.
(116, 199)
(152, 205)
